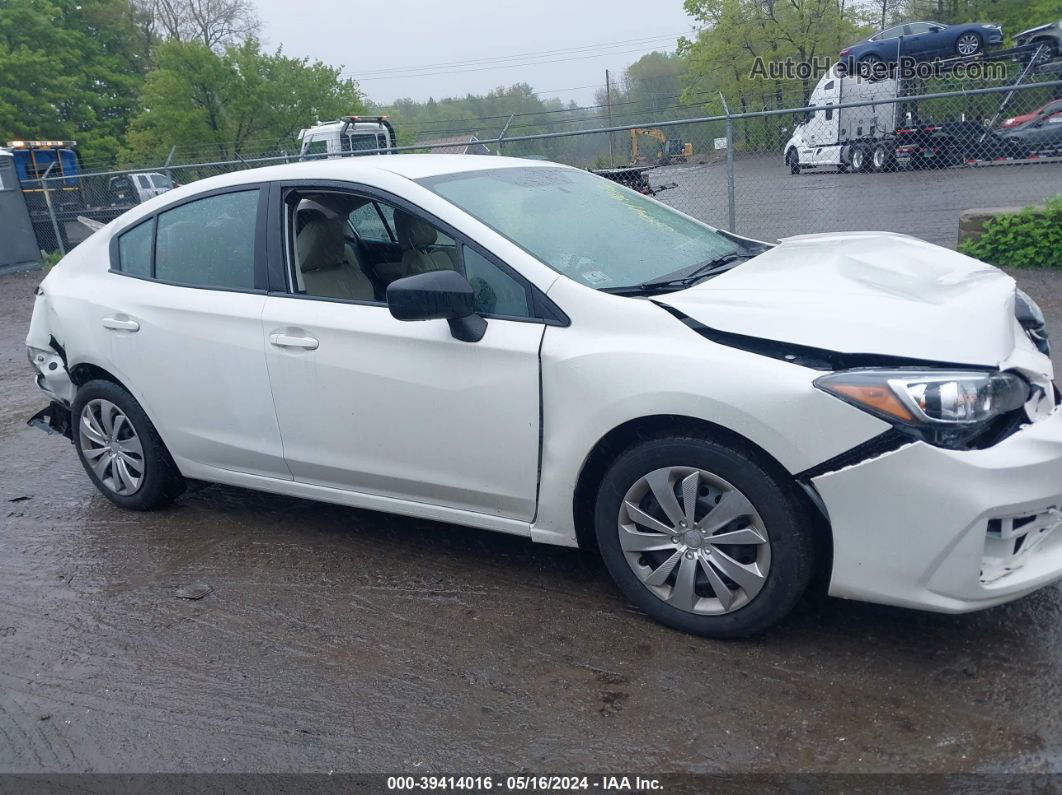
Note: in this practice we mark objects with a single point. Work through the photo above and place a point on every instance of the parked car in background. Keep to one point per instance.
(532, 349)
(1053, 106)
(137, 187)
(1040, 134)
(1050, 34)
(922, 41)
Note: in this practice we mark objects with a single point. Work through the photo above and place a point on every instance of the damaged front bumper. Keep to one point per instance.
(949, 530)
(53, 419)
(54, 381)
(52, 376)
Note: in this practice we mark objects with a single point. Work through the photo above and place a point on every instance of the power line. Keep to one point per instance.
(493, 67)
(517, 56)
(563, 90)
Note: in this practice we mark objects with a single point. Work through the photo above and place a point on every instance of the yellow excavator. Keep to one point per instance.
(672, 150)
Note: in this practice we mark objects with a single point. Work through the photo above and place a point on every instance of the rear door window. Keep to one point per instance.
(134, 249)
(209, 242)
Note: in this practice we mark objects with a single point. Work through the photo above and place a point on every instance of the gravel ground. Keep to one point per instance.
(338, 639)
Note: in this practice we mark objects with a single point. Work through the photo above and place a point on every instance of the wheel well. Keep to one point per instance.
(629, 433)
(83, 373)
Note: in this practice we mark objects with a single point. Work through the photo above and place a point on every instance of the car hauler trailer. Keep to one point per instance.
(886, 130)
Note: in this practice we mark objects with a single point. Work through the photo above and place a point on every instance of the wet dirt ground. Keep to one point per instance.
(337, 639)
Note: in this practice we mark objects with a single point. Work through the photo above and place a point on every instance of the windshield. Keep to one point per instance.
(584, 226)
(161, 181)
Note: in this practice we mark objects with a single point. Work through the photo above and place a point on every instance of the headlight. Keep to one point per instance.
(1031, 318)
(942, 407)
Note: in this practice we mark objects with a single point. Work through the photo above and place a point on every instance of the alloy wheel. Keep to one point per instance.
(968, 44)
(111, 447)
(694, 540)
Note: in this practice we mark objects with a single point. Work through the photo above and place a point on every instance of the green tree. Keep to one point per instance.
(240, 103)
(736, 35)
(486, 115)
(70, 69)
(1014, 15)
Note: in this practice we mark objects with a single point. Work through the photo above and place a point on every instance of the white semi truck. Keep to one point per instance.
(844, 138)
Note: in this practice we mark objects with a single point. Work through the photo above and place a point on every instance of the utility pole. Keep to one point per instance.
(608, 99)
(505, 129)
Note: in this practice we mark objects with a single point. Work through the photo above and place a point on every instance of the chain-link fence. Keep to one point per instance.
(897, 153)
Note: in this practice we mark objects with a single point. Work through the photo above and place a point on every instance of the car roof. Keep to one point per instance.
(346, 169)
(354, 169)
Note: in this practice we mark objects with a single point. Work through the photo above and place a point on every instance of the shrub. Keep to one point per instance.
(49, 259)
(1031, 238)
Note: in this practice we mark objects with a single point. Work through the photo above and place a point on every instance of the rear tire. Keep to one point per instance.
(869, 66)
(120, 449)
(715, 589)
(882, 159)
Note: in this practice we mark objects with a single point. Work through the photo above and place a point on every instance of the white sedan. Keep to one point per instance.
(529, 348)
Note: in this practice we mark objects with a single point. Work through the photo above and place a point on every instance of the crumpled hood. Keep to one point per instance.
(863, 292)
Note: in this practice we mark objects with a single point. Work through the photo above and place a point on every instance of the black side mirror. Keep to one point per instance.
(438, 295)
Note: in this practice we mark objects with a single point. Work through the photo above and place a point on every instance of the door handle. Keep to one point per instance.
(288, 341)
(119, 324)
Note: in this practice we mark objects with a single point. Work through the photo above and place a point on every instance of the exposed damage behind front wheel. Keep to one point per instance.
(53, 419)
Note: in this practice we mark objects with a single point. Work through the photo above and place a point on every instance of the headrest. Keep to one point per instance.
(412, 232)
(320, 244)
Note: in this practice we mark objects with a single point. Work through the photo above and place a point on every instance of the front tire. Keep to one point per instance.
(120, 449)
(793, 159)
(702, 538)
(968, 44)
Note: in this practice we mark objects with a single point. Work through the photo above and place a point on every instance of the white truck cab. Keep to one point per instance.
(829, 136)
(347, 136)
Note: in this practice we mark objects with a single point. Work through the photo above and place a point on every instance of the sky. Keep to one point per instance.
(403, 48)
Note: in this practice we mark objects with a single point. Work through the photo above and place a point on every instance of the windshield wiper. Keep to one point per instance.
(702, 271)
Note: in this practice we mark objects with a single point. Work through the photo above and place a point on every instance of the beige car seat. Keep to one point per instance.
(416, 237)
(328, 266)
